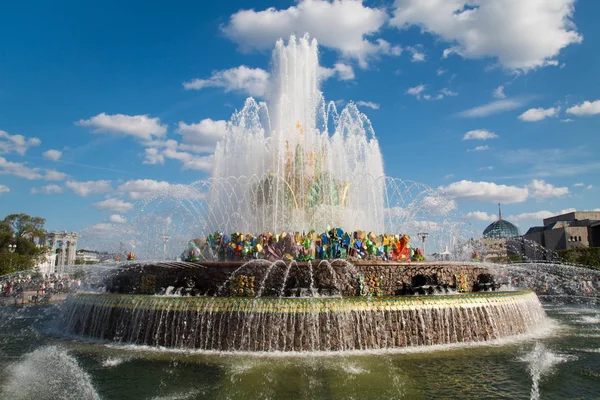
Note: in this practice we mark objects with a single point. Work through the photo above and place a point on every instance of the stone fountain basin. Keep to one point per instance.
(299, 324)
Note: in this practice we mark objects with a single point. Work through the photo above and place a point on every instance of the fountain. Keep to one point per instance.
(287, 172)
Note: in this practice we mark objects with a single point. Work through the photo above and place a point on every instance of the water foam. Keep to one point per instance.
(48, 373)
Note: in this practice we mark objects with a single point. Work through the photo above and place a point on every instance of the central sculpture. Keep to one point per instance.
(284, 268)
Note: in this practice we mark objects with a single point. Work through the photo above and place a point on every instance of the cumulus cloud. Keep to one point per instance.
(48, 189)
(494, 107)
(16, 143)
(498, 93)
(520, 34)
(342, 25)
(418, 55)
(89, 187)
(344, 72)
(53, 175)
(153, 156)
(252, 81)
(485, 192)
(114, 205)
(19, 169)
(481, 148)
(205, 133)
(172, 150)
(117, 219)
(416, 91)
(538, 114)
(538, 215)
(369, 104)
(481, 216)
(585, 108)
(53, 155)
(4, 189)
(480, 134)
(139, 126)
(543, 190)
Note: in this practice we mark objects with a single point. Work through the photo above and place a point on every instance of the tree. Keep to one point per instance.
(24, 225)
(22, 230)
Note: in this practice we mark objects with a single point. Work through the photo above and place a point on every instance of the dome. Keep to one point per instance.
(500, 229)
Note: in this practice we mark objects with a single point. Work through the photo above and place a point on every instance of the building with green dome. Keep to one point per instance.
(496, 236)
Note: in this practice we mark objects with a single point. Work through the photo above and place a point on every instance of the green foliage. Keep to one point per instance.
(21, 230)
(589, 256)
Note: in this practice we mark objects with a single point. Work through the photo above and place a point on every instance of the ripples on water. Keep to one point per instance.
(36, 365)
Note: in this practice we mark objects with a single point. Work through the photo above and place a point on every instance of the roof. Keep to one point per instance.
(501, 229)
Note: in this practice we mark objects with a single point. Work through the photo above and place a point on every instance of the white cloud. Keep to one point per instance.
(448, 92)
(438, 205)
(19, 169)
(154, 156)
(481, 148)
(89, 187)
(521, 34)
(499, 93)
(588, 187)
(479, 134)
(441, 71)
(204, 133)
(344, 72)
(343, 25)
(481, 216)
(418, 55)
(140, 126)
(494, 107)
(53, 175)
(16, 143)
(488, 168)
(171, 150)
(53, 155)
(567, 120)
(148, 188)
(538, 216)
(543, 190)
(117, 219)
(416, 91)
(48, 189)
(585, 108)
(4, 189)
(252, 81)
(486, 192)
(369, 104)
(538, 114)
(578, 184)
(114, 205)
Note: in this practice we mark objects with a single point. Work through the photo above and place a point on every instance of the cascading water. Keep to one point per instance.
(306, 167)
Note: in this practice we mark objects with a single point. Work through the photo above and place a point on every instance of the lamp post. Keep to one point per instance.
(11, 248)
(423, 236)
(165, 238)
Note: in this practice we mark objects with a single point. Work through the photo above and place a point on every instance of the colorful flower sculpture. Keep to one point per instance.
(334, 244)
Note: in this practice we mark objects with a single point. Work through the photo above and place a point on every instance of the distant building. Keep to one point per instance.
(567, 231)
(87, 257)
(498, 237)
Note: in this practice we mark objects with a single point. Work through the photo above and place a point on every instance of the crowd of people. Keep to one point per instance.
(12, 286)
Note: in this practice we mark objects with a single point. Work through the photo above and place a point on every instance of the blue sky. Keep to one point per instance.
(493, 100)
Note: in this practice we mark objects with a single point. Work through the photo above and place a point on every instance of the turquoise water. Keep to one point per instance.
(562, 362)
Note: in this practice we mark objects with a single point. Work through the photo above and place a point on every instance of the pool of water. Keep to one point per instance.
(561, 362)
